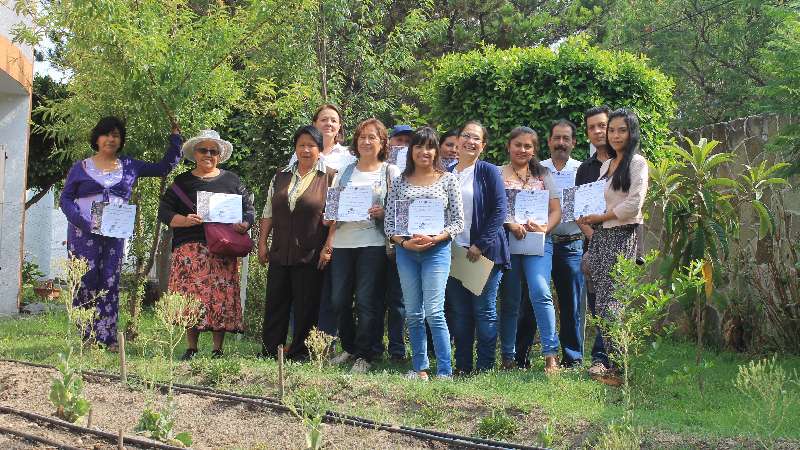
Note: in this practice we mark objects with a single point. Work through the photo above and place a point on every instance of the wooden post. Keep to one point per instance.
(89, 418)
(123, 369)
(120, 441)
(281, 391)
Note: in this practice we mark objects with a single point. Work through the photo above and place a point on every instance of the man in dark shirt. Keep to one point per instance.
(596, 121)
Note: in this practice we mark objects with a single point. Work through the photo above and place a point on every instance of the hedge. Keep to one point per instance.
(535, 86)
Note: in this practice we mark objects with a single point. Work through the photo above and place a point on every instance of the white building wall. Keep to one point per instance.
(38, 232)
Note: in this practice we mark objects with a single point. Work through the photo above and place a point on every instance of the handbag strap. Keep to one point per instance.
(182, 195)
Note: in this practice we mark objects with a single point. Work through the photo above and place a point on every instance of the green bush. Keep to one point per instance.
(534, 86)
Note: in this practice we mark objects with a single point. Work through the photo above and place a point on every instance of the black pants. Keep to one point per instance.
(297, 288)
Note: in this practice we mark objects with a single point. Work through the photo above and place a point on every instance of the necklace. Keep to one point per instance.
(527, 175)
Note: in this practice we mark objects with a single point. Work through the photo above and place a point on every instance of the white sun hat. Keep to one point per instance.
(225, 147)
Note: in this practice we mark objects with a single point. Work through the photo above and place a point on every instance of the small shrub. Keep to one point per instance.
(498, 425)
(319, 345)
(766, 388)
(547, 435)
(310, 406)
(159, 424)
(66, 392)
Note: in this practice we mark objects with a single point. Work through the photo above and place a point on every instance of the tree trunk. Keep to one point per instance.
(39, 195)
(322, 53)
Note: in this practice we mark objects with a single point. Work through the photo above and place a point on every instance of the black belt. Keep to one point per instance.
(561, 238)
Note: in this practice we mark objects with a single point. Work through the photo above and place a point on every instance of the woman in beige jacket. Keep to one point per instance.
(626, 175)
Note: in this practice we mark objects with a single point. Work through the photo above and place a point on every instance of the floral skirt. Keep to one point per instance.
(214, 280)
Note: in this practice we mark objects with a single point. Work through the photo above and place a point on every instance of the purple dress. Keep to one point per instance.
(84, 185)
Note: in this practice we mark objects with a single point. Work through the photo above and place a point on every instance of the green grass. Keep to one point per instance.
(666, 398)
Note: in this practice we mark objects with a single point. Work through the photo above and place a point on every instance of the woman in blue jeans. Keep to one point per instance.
(358, 262)
(524, 172)
(485, 208)
(423, 261)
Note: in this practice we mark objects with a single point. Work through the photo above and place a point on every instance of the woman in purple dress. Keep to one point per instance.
(105, 177)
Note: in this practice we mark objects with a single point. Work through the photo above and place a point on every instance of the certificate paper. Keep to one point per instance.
(564, 180)
(220, 208)
(113, 220)
(349, 204)
(584, 200)
(419, 216)
(397, 156)
(473, 275)
(531, 205)
(532, 244)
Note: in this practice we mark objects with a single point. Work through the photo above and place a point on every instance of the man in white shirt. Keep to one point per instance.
(567, 246)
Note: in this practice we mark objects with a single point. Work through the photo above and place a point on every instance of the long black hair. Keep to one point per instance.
(105, 126)
(621, 180)
(535, 166)
(426, 137)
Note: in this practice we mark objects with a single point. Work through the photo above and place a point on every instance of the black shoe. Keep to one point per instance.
(189, 354)
(216, 354)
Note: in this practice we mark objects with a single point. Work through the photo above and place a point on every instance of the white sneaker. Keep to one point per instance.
(341, 358)
(414, 375)
(360, 367)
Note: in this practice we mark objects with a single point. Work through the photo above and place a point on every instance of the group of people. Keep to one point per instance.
(358, 280)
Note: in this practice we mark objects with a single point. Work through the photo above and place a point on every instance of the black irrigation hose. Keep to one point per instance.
(37, 439)
(330, 416)
(138, 442)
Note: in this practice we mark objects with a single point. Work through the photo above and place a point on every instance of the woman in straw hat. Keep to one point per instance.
(211, 278)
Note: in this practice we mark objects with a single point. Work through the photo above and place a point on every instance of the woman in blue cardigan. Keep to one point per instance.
(485, 208)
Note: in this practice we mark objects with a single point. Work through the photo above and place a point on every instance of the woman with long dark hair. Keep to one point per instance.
(626, 176)
(525, 172)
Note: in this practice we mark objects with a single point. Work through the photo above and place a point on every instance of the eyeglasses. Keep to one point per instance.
(368, 137)
(471, 137)
(207, 151)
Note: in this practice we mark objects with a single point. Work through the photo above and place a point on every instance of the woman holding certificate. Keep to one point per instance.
(473, 313)
(206, 194)
(299, 250)
(524, 173)
(625, 173)
(106, 178)
(424, 211)
(358, 263)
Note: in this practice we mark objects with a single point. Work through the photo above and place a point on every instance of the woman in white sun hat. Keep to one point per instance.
(211, 278)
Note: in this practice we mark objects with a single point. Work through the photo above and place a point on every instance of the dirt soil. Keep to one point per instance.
(214, 423)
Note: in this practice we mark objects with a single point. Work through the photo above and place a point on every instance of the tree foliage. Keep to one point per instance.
(534, 86)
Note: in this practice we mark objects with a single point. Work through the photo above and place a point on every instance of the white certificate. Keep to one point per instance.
(115, 220)
(532, 244)
(222, 208)
(426, 216)
(354, 203)
(531, 205)
(472, 275)
(563, 180)
(583, 200)
(397, 156)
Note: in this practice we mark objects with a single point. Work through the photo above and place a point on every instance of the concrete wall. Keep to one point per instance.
(38, 232)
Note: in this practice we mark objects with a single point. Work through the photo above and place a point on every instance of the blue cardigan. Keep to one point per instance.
(489, 210)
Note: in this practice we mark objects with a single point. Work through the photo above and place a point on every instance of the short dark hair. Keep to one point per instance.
(564, 122)
(452, 133)
(310, 130)
(105, 126)
(427, 137)
(382, 134)
(595, 110)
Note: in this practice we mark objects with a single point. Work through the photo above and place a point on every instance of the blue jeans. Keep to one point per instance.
(423, 277)
(359, 271)
(474, 314)
(568, 281)
(536, 270)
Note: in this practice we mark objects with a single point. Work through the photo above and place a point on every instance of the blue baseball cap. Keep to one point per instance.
(401, 129)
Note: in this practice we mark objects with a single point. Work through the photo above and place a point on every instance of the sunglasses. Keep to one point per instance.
(208, 151)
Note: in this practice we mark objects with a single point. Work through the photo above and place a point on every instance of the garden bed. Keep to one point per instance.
(214, 423)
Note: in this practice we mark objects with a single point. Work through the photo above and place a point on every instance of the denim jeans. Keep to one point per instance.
(393, 311)
(474, 314)
(423, 277)
(536, 271)
(568, 281)
(359, 271)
